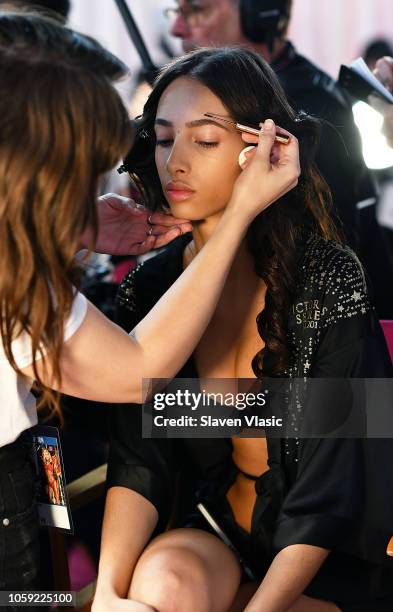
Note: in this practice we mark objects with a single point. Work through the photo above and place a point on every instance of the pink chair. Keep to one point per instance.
(387, 327)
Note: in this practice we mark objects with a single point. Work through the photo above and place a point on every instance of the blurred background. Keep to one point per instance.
(330, 33)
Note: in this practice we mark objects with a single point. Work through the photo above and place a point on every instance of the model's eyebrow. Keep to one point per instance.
(191, 124)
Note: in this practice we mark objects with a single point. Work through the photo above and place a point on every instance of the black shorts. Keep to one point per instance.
(251, 554)
(253, 561)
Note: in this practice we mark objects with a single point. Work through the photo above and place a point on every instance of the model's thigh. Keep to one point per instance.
(309, 604)
(186, 570)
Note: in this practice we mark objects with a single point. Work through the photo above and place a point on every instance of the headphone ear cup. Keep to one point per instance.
(260, 19)
(247, 19)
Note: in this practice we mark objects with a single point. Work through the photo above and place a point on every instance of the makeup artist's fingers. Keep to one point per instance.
(274, 155)
(158, 230)
(161, 238)
(144, 247)
(250, 138)
(170, 235)
(265, 142)
(283, 159)
(165, 219)
(272, 172)
(288, 155)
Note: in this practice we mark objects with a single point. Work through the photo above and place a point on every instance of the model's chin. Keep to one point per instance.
(183, 212)
(192, 210)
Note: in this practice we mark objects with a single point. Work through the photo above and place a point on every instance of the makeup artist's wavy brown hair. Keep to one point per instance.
(250, 91)
(62, 125)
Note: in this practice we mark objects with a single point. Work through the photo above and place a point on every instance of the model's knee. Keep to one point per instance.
(172, 581)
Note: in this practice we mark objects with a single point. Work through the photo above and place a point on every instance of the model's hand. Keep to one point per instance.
(272, 170)
(127, 228)
(116, 604)
(384, 73)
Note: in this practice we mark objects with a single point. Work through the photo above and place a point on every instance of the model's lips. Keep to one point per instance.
(178, 191)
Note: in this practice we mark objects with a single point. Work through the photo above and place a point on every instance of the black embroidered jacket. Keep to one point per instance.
(336, 493)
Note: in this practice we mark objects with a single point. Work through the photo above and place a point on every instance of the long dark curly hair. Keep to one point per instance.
(251, 92)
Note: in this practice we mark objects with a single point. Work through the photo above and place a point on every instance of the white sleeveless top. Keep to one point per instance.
(17, 404)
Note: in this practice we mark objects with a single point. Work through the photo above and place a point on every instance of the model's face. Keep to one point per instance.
(204, 23)
(196, 158)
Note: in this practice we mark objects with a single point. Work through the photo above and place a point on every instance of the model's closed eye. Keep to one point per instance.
(168, 142)
(206, 144)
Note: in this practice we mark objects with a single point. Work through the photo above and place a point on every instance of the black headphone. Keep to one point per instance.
(262, 20)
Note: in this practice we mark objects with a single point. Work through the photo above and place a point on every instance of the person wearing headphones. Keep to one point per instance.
(262, 26)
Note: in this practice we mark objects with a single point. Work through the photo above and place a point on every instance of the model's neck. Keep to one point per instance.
(203, 230)
(242, 271)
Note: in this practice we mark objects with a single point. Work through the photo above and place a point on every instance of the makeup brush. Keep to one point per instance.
(281, 138)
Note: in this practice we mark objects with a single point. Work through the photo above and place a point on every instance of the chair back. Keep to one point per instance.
(387, 327)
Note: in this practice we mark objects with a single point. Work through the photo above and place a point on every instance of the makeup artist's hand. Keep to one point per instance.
(384, 73)
(272, 170)
(127, 228)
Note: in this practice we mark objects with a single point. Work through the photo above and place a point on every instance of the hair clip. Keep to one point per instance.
(143, 134)
(301, 116)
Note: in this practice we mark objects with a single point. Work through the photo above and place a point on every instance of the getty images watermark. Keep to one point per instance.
(280, 407)
(196, 401)
(188, 408)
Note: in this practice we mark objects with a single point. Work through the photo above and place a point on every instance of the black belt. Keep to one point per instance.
(247, 475)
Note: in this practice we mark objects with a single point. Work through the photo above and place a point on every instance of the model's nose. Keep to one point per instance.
(177, 162)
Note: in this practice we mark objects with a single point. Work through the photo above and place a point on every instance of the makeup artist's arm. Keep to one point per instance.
(291, 571)
(100, 362)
